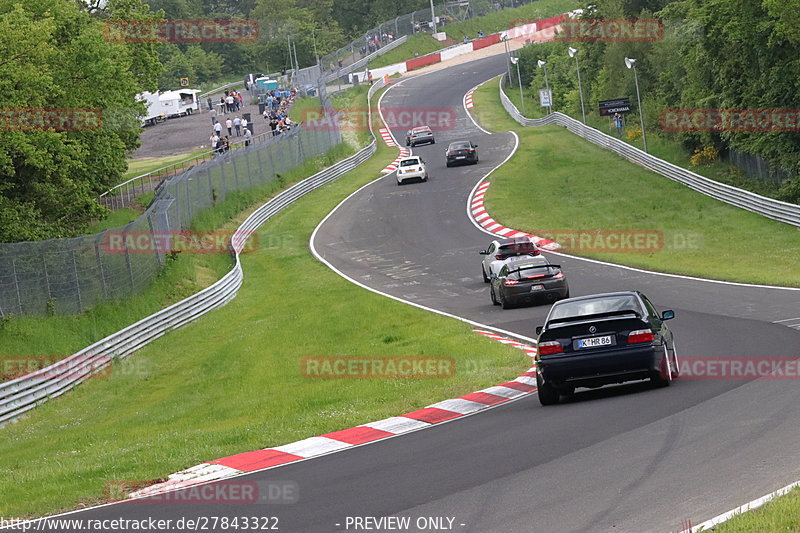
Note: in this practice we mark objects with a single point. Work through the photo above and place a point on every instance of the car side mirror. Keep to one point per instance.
(483, 252)
(668, 315)
(539, 330)
(474, 145)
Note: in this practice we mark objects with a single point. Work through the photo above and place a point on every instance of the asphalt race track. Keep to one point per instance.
(624, 459)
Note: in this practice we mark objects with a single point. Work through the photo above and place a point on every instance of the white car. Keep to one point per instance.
(500, 250)
(411, 168)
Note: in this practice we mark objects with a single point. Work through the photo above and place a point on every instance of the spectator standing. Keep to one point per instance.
(210, 104)
(214, 139)
(237, 123)
(218, 129)
(229, 125)
(213, 113)
(229, 103)
(247, 137)
(240, 100)
(619, 122)
(244, 123)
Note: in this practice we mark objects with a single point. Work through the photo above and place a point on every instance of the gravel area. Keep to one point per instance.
(182, 135)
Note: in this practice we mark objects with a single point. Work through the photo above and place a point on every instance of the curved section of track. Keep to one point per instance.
(627, 458)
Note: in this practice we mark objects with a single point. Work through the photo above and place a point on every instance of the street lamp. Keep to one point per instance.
(504, 37)
(543, 64)
(573, 52)
(515, 61)
(433, 18)
(631, 63)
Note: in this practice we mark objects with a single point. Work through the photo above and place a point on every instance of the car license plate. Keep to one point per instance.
(461, 157)
(537, 288)
(594, 342)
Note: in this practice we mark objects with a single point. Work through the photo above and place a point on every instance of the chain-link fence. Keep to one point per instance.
(756, 167)
(65, 276)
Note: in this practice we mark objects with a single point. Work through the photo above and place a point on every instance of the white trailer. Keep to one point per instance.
(161, 106)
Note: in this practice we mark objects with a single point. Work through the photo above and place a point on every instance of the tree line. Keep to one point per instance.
(712, 55)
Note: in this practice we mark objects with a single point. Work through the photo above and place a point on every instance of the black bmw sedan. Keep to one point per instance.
(596, 340)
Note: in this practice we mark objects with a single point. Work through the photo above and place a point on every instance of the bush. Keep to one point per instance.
(790, 192)
(704, 155)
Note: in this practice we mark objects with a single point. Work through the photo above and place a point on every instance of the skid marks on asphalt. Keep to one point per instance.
(398, 270)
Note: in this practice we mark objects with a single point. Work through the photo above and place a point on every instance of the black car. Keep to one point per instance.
(601, 339)
(462, 152)
(528, 281)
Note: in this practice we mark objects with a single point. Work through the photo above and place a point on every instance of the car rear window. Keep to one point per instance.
(421, 130)
(409, 162)
(518, 248)
(528, 270)
(595, 306)
(460, 146)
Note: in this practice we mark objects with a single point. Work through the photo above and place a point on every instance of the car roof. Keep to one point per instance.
(421, 128)
(414, 157)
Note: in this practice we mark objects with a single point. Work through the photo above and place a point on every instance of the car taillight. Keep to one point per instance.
(549, 348)
(560, 275)
(451, 153)
(510, 282)
(470, 151)
(499, 257)
(640, 335)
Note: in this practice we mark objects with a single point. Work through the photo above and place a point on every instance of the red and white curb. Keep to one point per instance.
(391, 167)
(339, 440)
(479, 214)
(387, 137)
(468, 99)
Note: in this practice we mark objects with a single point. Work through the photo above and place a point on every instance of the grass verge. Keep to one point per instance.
(424, 43)
(781, 514)
(147, 418)
(574, 185)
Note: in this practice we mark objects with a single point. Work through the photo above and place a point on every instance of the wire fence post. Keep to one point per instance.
(77, 281)
(99, 260)
(16, 284)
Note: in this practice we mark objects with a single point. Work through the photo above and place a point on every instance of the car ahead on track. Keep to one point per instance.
(521, 281)
(410, 168)
(419, 135)
(596, 340)
(500, 250)
(461, 152)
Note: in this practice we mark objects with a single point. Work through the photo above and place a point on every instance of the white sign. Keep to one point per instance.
(545, 97)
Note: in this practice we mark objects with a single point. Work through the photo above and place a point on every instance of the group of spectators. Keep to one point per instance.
(276, 111)
(230, 103)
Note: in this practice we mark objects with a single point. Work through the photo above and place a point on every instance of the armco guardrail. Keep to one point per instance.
(768, 207)
(20, 395)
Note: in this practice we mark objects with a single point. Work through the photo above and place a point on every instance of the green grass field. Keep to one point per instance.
(231, 381)
(558, 182)
(781, 514)
(424, 43)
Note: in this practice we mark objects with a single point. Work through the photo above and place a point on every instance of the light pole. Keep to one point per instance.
(631, 63)
(573, 52)
(433, 19)
(515, 60)
(508, 58)
(543, 64)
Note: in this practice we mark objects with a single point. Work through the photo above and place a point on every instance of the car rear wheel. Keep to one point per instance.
(505, 303)
(663, 377)
(433, 141)
(548, 395)
(494, 298)
(449, 165)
